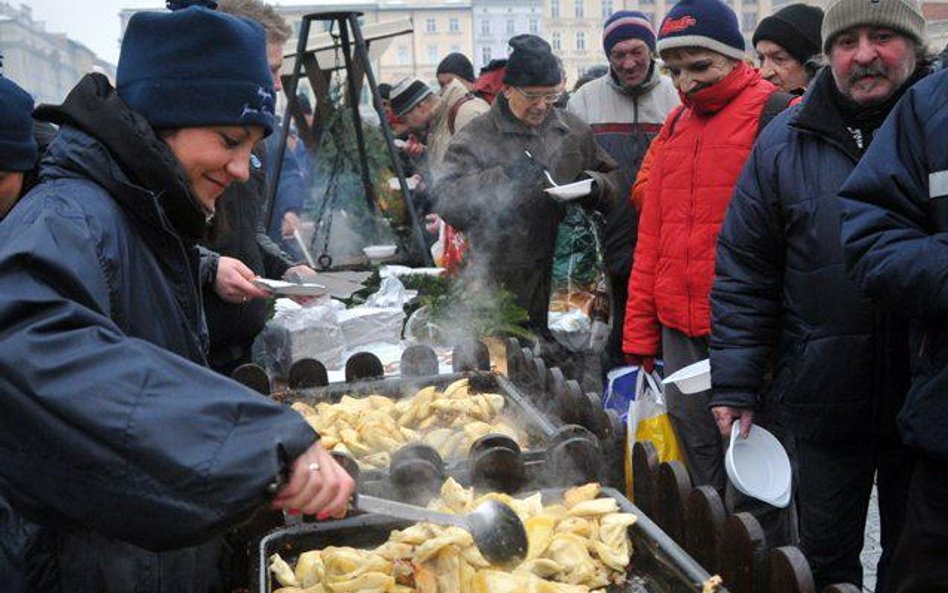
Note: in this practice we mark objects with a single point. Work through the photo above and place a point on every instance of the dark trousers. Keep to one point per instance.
(833, 490)
(920, 564)
(703, 446)
(619, 292)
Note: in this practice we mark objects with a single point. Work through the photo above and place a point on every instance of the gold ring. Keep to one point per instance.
(313, 467)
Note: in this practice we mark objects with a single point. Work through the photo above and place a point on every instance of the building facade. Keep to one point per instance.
(496, 21)
(46, 64)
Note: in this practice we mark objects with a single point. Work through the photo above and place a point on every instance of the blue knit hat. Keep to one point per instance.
(709, 24)
(18, 150)
(196, 67)
(627, 24)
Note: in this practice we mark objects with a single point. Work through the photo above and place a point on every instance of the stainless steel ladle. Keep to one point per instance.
(498, 532)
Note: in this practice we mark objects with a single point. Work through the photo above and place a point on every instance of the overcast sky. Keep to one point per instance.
(95, 23)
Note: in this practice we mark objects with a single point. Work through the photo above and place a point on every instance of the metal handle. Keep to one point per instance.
(371, 504)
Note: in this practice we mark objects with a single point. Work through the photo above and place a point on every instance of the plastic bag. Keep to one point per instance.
(648, 420)
(576, 258)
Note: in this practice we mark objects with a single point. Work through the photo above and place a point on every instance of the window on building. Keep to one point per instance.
(431, 26)
(534, 26)
(556, 41)
(580, 40)
(403, 56)
(433, 56)
(455, 49)
(454, 25)
(485, 26)
(641, 2)
(580, 9)
(485, 54)
(555, 8)
(748, 20)
(606, 8)
(510, 26)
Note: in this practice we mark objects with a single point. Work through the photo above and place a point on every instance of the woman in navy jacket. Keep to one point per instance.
(117, 442)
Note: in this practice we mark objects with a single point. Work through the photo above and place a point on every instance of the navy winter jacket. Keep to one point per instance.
(895, 236)
(782, 300)
(115, 439)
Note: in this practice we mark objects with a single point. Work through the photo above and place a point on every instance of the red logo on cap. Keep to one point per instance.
(671, 26)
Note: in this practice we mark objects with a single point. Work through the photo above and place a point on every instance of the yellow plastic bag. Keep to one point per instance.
(648, 421)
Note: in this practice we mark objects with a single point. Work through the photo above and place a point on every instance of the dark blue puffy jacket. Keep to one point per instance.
(895, 236)
(113, 436)
(782, 300)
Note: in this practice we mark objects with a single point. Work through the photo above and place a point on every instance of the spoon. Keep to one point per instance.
(545, 172)
(498, 532)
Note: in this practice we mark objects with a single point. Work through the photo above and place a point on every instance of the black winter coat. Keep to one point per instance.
(240, 233)
(512, 228)
(781, 293)
(895, 235)
(116, 440)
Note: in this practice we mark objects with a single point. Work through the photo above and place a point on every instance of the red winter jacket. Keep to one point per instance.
(702, 148)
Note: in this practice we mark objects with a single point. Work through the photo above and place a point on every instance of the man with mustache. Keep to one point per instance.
(695, 161)
(782, 294)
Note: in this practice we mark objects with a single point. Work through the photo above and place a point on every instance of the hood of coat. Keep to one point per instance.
(826, 113)
(716, 97)
(94, 108)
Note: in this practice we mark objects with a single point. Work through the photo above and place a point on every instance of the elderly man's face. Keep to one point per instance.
(871, 63)
(421, 114)
(693, 69)
(630, 60)
(779, 67)
(532, 104)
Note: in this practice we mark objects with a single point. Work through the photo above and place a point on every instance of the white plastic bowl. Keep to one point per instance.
(758, 466)
(570, 191)
(694, 378)
(379, 251)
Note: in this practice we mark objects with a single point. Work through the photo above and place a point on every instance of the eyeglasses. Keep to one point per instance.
(548, 98)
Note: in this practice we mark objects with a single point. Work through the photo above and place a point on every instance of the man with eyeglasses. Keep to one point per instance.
(625, 108)
(492, 180)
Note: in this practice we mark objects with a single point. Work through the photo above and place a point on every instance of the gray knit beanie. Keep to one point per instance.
(904, 16)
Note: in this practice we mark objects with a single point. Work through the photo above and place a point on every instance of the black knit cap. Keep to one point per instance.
(531, 63)
(457, 63)
(795, 28)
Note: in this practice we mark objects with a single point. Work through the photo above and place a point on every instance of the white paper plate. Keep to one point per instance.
(393, 270)
(283, 288)
(395, 185)
(570, 191)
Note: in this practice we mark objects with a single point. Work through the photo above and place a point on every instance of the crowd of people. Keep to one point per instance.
(783, 216)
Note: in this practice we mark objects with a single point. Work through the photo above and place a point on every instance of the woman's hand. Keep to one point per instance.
(233, 282)
(317, 486)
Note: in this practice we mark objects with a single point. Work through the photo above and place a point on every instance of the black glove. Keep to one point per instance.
(591, 200)
(524, 172)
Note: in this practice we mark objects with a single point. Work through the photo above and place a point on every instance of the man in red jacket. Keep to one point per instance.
(695, 163)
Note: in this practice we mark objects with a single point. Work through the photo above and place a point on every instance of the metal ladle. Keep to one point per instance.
(498, 532)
